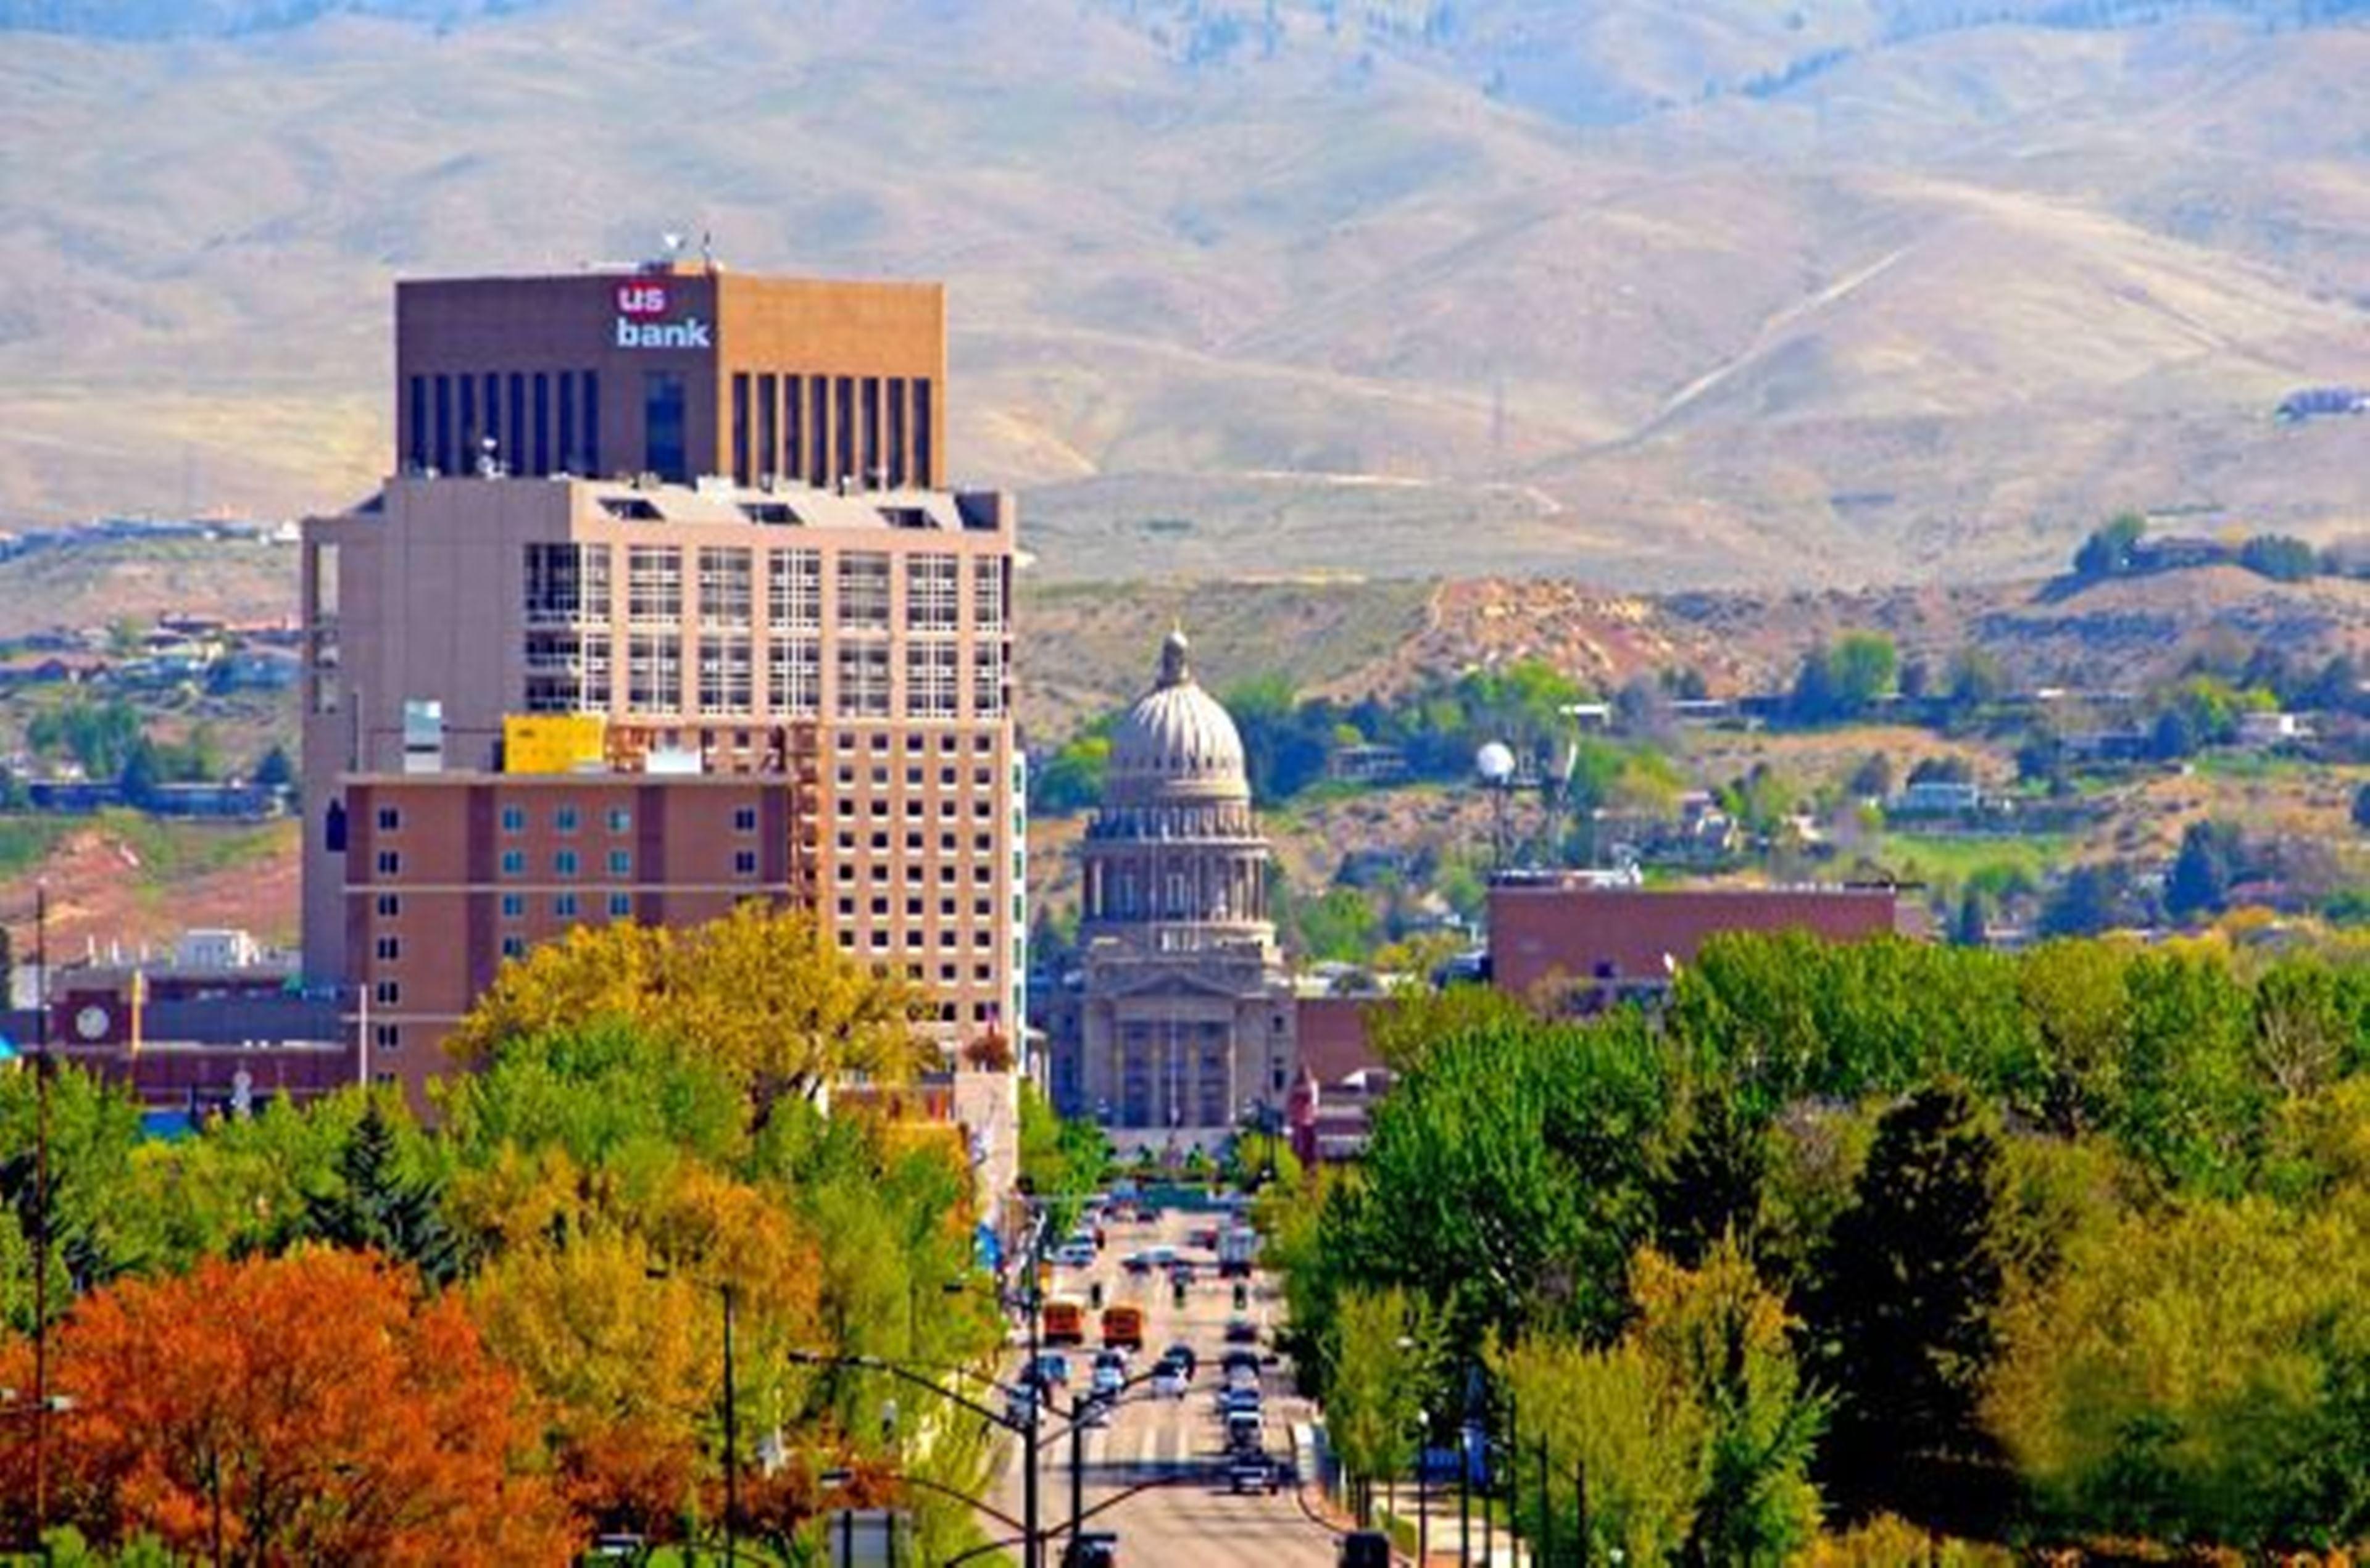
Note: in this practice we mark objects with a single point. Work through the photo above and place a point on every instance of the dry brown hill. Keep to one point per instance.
(1716, 294)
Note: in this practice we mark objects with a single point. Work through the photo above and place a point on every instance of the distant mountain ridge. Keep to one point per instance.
(1618, 288)
(197, 18)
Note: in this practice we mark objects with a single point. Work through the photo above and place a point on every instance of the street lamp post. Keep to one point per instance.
(1422, 1491)
(731, 1440)
(40, 1210)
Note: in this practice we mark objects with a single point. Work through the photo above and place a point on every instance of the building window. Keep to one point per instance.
(745, 863)
(389, 906)
(621, 906)
(567, 585)
(987, 680)
(563, 862)
(724, 676)
(564, 819)
(621, 820)
(513, 946)
(744, 818)
(390, 821)
(653, 585)
(389, 948)
(514, 863)
(563, 906)
(387, 993)
(794, 676)
(621, 862)
(864, 591)
(390, 863)
(387, 1036)
(513, 819)
(931, 680)
(933, 583)
(864, 680)
(723, 587)
(567, 672)
(794, 590)
(654, 674)
(514, 906)
(987, 594)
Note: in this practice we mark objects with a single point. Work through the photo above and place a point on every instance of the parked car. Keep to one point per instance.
(1364, 1549)
(1167, 1382)
(1184, 1355)
(1100, 1549)
(1241, 1331)
(1053, 1368)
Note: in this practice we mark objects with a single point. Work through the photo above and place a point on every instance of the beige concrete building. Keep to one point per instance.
(1181, 1017)
(775, 689)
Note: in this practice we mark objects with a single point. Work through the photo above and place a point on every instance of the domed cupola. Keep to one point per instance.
(1177, 744)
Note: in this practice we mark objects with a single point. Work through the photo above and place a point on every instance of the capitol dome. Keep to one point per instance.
(1178, 743)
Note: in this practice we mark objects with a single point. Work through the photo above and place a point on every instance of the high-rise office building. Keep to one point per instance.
(536, 698)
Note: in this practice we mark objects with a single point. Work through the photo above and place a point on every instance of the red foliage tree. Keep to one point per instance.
(313, 1408)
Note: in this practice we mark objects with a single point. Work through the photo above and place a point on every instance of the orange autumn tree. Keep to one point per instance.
(312, 1408)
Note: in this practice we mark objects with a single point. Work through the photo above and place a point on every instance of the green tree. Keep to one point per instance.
(1901, 1324)
(1714, 1185)
(2199, 884)
(2279, 557)
(2201, 1374)
(2108, 551)
(380, 1207)
(1381, 1357)
(1508, 1175)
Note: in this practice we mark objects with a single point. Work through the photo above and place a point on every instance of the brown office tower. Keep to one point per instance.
(535, 700)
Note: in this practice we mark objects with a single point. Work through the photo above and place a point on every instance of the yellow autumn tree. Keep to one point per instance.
(763, 993)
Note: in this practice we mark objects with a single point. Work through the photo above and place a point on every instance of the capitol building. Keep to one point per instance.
(1180, 1017)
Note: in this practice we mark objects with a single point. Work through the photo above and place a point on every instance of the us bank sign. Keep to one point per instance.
(641, 307)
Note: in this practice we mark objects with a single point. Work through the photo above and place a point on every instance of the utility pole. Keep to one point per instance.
(1032, 1554)
(40, 1212)
(731, 1440)
(1077, 1472)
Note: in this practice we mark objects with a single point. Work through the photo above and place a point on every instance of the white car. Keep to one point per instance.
(1169, 1383)
(1076, 1255)
(1108, 1380)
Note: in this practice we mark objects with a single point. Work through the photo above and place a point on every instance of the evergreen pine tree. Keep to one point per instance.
(379, 1208)
(1902, 1321)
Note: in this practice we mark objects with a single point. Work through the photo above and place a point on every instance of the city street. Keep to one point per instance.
(1190, 1516)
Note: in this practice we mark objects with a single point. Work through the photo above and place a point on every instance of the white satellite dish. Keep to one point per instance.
(1494, 762)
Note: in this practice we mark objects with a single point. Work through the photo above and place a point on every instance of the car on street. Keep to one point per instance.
(1250, 1473)
(1241, 1331)
(1235, 1400)
(1205, 1237)
(1182, 1272)
(1167, 1382)
(1108, 1380)
(1364, 1549)
(1052, 1368)
(1185, 1358)
(1020, 1405)
(1077, 1254)
(1240, 1360)
(1245, 1432)
(1100, 1549)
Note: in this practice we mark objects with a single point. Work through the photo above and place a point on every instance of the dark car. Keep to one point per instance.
(1183, 1355)
(1241, 1331)
(1251, 1473)
(1364, 1549)
(1097, 1549)
(1241, 1360)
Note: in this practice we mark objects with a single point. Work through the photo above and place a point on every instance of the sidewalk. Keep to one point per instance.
(1437, 1503)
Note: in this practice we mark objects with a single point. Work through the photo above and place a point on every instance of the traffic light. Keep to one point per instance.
(1094, 1295)
(1242, 1296)
(1178, 1288)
